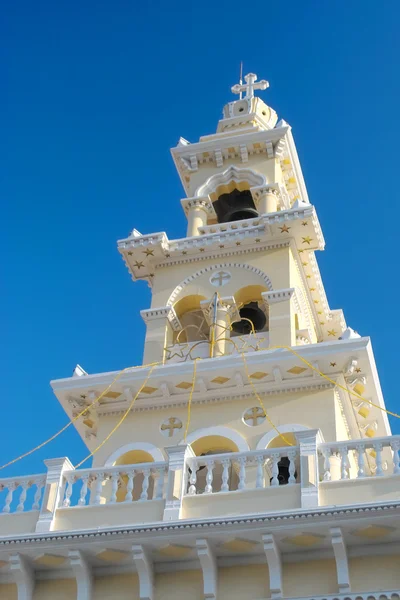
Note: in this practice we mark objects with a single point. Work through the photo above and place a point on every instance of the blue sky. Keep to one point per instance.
(93, 96)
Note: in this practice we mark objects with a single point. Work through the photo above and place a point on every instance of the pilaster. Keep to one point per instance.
(23, 576)
(266, 198)
(220, 313)
(309, 472)
(282, 330)
(52, 492)
(157, 321)
(176, 480)
(83, 575)
(197, 211)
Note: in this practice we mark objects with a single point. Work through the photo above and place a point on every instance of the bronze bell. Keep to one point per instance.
(235, 206)
(250, 312)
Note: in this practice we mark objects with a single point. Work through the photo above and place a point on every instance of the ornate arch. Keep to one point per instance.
(270, 435)
(231, 174)
(220, 431)
(173, 297)
(155, 452)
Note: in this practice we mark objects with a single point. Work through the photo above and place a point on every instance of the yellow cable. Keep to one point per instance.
(352, 392)
(257, 395)
(53, 437)
(190, 398)
(120, 421)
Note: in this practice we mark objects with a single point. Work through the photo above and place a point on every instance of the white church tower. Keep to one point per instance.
(250, 456)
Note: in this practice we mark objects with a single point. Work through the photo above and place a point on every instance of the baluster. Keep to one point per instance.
(68, 491)
(11, 489)
(22, 498)
(275, 469)
(378, 459)
(242, 472)
(361, 462)
(395, 445)
(209, 477)
(260, 471)
(192, 480)
(84, 489)
(327, 464)
(145, 484)
(114, 487)
(343, 462)
(292, 466)
(159, 475)
(38, 495)
(129, 486)
(226, 463)
(98, 488)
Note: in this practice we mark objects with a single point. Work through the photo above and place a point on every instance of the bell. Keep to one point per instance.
(235, 206)
(250, 312)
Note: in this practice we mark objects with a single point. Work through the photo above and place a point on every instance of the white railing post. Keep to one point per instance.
(52, 493)
(309, 475)
(176, 480)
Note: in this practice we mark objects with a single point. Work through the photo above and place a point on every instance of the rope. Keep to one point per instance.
(120, 421)
(190, 398)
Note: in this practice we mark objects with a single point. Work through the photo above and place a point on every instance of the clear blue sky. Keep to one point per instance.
(93, 96)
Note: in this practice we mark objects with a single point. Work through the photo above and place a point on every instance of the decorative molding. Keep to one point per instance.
(219, 431)
(273, 556)
(155, 452)
(342, 563)
(23, 576)
(203, 203)
(276, 296)
(208, 564)
(177, 291)
(271, 435)
(232, 173)
(83, 574)
(144, 567)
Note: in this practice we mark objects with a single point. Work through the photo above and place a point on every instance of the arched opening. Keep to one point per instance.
(208, 446)
(252, 309)
(133, 457)
(282, 441)
(194, 325)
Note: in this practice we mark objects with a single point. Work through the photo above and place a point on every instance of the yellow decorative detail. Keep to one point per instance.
(238, 545)
(172, 424)
(174, 550)
(370, 432)
(147, 389)
(184, 385)
(220, 380)
(296, 370)
(258, 375)
(50, 560)
(111, 394)
(112, 555)
(148, 252)
(359, 388)
(304, 539)
(373, 532)
(253, 414)
(307, 240)
(364, 412)
(284, 229)
(304, 223)
(332, 332)
(138, 264)
(88, 422)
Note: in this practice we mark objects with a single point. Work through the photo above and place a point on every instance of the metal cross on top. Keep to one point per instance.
(250, 86)
(172, 424)
(256, 414)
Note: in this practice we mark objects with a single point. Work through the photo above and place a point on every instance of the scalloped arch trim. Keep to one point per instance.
(263, 276)
(232, 173)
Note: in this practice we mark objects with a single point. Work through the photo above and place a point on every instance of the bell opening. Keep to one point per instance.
(235, 206)
(251, 316)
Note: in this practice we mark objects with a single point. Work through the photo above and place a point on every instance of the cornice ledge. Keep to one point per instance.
(278, 295)
(212, 523)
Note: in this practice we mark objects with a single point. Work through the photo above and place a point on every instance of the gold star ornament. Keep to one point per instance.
(332, 332)
(307, 240)
(284, 229)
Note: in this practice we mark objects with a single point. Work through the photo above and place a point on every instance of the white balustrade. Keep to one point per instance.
(124, 483)
(21, 494)
(355, 459)
(242, 470)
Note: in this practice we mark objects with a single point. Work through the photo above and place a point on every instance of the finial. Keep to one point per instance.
(250, 86)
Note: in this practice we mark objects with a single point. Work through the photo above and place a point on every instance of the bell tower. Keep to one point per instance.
(246, 270)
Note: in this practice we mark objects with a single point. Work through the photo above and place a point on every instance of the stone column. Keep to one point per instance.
(282, 329)
(220, 313)
(266, 198)
(309, 470)
(197, 211)
(176, 480)
(157, 321)
(52, 492)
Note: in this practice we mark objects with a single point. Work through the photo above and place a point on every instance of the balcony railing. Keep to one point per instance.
(308, 475)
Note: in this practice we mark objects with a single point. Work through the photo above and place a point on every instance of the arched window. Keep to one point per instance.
(252, 309)
(194, 325)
